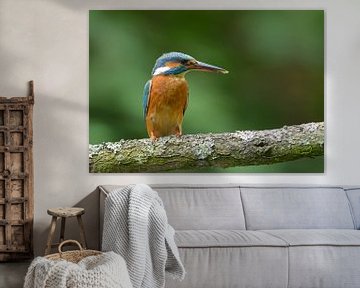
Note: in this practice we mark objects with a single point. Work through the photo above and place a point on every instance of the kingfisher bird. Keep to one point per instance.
(166, 94)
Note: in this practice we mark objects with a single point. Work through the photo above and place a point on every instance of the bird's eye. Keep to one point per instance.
(191, 62)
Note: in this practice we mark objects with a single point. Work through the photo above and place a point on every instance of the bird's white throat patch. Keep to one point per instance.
(161, 70)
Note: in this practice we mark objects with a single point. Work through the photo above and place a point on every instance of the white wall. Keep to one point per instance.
(47, 41)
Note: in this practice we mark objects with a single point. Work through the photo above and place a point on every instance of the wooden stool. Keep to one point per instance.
(64, 213)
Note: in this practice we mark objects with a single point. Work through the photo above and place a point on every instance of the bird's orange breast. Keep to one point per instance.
(167, 103)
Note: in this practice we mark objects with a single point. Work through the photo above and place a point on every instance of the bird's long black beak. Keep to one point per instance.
(207, 67)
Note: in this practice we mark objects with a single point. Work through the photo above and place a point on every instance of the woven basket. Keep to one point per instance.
(72, 256)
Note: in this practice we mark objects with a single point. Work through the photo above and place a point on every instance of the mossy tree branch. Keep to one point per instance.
(241, 148)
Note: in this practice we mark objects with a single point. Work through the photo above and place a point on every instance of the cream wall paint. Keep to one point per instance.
(47, 41)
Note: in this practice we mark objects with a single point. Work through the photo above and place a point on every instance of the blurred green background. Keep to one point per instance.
(275, 60)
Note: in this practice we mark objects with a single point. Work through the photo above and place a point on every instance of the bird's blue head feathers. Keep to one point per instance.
(175, 63)
(172, 57)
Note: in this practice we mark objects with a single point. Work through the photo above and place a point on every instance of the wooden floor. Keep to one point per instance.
(12, 274)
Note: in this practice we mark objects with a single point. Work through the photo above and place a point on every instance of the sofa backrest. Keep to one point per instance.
(211, 207)
(203, 208)
(296, 208)
(354, 198)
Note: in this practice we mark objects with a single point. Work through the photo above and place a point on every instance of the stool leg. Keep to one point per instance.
(51, 235)
(82, 232)
(62, 230)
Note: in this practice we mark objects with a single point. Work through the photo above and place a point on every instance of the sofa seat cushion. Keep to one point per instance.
(225, 267)
(317, 237)
(226, 238)
(322, 258)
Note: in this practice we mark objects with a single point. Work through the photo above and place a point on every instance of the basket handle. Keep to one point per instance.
(69, 241)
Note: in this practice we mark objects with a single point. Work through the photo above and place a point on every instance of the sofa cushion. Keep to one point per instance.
(226, 238)
(324, 266)
(322, 258)
(296, 208)
(199, 207)
(354, 198)
(317, 237)
(192, 208)
(218, 267)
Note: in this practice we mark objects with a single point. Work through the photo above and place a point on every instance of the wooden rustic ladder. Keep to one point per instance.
(16, 177)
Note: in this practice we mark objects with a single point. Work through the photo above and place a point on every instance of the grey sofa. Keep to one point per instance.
(242, 236)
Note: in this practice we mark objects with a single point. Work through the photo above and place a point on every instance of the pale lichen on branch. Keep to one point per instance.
(240, 148)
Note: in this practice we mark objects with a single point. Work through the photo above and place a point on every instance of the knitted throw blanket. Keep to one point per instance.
(102, 271)
(136, 227)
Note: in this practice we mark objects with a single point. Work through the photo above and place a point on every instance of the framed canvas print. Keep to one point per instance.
(206, 91)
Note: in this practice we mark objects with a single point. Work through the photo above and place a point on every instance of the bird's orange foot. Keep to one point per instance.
(178, 131)
(153, 137)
